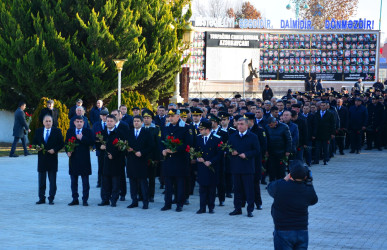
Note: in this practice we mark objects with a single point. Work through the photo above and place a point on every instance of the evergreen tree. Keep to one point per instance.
(65, 48)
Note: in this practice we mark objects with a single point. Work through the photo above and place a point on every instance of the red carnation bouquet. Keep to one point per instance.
(225, 147)
(38, 147)
(70, 145)
(171, 143)
(193, 153)
(120, 144)
(29, 117)
(100, 138)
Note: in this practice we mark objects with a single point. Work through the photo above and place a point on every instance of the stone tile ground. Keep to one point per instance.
(351, 213)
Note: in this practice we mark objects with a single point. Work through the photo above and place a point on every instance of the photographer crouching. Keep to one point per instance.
(292, 197)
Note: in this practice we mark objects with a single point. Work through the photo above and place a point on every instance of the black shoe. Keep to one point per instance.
(325, 163)
(342, 153)
(13, 155)
(122, 198)
(259, 207)
(27, 154)
(380, 149)
(228, 195)
(221, 204)
(145, 206)
(51, 202)
(186, 202)
(211, 211)
(250, 214)
(151, 199)
(165, 208)
(113, 204)
(352, 151)
(40, 202)
(179, 209)
(85, 204)
(200, 211)
(104, 203)
(357, 152)
(74, 203)
(133, 205)
(236, 212)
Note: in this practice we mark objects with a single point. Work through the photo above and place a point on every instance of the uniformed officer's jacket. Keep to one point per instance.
(249, 145)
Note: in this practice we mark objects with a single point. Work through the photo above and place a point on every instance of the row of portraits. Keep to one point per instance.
(319, 61)
(319, 37)
(316, 45)
(316, 53)
(316, 69)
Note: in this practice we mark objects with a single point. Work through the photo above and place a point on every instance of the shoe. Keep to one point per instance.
(133, 205)
(250, 214)
(104, 203)
(211, 211)
(51, 202)
(145, 206)
(380, 149)
(228, 195)
(85, 204)
(186, 202)
(352, 151)
(179, 209)
(122, 198)
(235, 212)
(357, 152)
(325, 163)
(113, 204)
(259, 207)
(221, 204)
(151, 199)
(73, 203)
(165, 208)
(13, 155)
(200, 211)
(27, 154)
(342, 153)
(40, 202)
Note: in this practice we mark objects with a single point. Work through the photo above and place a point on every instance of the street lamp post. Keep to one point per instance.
(119, 64)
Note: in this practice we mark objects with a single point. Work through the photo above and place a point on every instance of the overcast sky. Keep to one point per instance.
(275, 10)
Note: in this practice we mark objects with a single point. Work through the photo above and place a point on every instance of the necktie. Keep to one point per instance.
(78, 131)
(322, 113)
(104, 125)
(136, 134)
(205, 140)
(109, 132)
(241, 135)
(46, 137)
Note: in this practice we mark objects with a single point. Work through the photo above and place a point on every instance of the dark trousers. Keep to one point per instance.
(244, 186)
(135, 184)
(374, 136)
(276, 170)
(15, 141)
(85, 187)
(42, 184)
(207, 197)
(291, 240)
(110, 188)
(194, 169)
(355, 140)
(257, 189)
(122, 183)
(221, 187)
(324, 146)
(101, 158)
(332, 147)
(308, 153)
(152, 180)
(340, 140)
(228, 182)
(179, 181)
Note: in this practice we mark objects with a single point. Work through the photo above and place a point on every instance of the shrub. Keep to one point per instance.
(63, 119)
(131, 99)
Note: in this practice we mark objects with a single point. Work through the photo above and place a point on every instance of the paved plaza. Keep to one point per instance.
(351, 213)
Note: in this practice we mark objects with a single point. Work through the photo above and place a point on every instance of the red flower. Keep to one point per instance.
(187, 149)
(170, 137)
(298, 149)
(281, 163)
(115, 141)
(29, 115)
(177, 141)
(30, 146)
(73, 138)
(99, 132)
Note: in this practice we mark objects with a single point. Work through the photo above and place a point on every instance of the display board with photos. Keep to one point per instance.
(331, 57)
(196, 62)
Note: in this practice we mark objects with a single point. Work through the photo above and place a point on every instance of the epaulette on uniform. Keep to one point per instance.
(216, 135)
(225, 130)
(232, 128)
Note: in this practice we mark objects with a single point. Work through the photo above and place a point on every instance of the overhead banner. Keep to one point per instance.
(232, 40)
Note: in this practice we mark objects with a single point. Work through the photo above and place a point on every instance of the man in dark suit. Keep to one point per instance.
(139, 142)
(79, 162)
(154, 155)
(208, 164)
(125, 116)
(160, 117)
(325, 131)
(99, 127)
(112, 165)
(123, 131)
(267, 93)
(80, 111)
(95, 111)
(52, 140)
(51, 111)
(358, 121)
(311, 123)
(245, 145)
(19, 127)
(344, 119)
(72, 111)
(175, 166)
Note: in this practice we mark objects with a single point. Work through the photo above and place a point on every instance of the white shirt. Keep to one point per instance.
(45, 132)
(205, 138)
(118, 123)
(137, 132)
(242, 134)
(76, 130)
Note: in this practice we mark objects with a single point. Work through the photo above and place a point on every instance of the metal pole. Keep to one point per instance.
(243, 77)
(380, 16)
(119, 89)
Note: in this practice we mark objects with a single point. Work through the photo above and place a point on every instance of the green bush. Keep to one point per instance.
(131, 99)
(63, 119)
